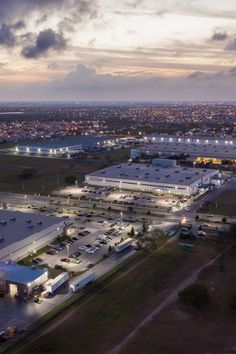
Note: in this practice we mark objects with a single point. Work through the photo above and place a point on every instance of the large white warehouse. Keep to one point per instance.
(151, 178)
(23, 233)
(201, 148)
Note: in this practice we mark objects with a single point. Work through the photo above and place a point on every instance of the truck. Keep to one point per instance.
(54, 284)
(123, 245)
(80, 282)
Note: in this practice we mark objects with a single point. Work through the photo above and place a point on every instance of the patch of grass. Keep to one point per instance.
(224, 204)
(27, 261)
(51, 173)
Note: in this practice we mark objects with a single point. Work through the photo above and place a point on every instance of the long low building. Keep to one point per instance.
(47, 150)
(151, 178)
(23, 233)
(203, 149)
(20, 280)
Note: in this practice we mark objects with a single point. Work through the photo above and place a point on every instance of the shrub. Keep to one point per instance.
(195, 295)
(132, 232)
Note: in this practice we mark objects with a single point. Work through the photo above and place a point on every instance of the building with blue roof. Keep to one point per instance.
(20, 280)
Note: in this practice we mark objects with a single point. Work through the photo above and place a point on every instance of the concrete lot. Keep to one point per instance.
(116, 196)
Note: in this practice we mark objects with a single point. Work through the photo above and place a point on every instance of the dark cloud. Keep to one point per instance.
(219, 36)
(45, 40)
(231, 45)
(14, 9)
(8, 35)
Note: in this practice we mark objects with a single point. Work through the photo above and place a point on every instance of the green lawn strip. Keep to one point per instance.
(28, 260)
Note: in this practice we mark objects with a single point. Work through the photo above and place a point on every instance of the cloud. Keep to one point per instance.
(14, 9)
(7, 37)
(85, 84)
(231, 45)
(219, 36)
(7, 33)
(45, 40)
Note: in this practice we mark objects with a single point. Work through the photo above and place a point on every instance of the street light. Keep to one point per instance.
(68, 250)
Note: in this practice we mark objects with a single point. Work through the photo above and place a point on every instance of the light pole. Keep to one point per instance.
(68, 250)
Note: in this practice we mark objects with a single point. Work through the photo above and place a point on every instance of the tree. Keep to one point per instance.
(132, 232)
(70, 179)
(224, 220)
(196, 295)
(144, 227)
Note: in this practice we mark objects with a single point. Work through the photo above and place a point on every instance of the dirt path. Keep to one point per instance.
(165, 303)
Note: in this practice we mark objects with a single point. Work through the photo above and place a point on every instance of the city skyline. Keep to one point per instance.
(100, 50)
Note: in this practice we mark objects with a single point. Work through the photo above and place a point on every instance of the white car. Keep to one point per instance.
(82, 248)
(201, 233)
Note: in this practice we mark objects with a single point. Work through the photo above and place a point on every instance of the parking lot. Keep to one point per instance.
(87, 243)
(119, 197)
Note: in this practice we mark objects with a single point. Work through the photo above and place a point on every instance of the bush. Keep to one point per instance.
(132, 233)
(195, 295)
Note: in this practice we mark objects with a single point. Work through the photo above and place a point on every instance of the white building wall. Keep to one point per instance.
(147, 186)
(21, 249)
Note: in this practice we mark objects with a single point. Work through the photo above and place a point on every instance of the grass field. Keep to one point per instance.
(183, 330)
(113, 309)
(224, 204)
(51, 173)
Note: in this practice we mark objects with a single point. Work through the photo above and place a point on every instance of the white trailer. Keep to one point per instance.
(123, 245)
(54, 284)
(81, 282)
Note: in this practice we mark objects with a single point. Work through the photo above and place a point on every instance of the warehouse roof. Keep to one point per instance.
(150, 173)
(210, 149)
(16, 226)
(19, 274)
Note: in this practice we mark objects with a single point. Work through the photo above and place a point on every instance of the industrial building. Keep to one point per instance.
(201, 149)
(20, 280)
(22, 234)
(153, 178)
(51, 150)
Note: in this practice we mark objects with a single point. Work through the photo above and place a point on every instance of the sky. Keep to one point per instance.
(101, 50)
